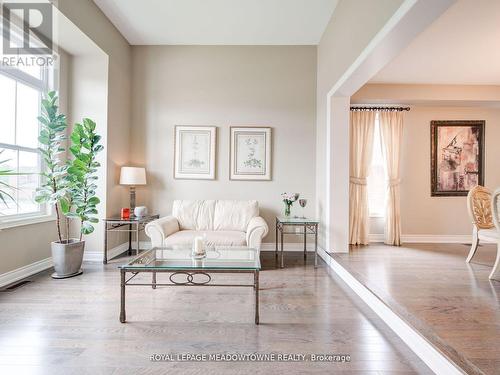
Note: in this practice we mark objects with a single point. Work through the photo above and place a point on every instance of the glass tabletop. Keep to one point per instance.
(175, 258)
(133, 219)
(296, 220)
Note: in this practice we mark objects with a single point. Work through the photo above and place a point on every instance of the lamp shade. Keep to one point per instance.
(132, 176)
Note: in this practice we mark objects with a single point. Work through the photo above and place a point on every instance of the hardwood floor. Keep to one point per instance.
(71, 326)
(452, 303)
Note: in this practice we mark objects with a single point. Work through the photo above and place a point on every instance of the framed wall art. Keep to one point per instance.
(457, 157)
(194, 152)
(250, 157)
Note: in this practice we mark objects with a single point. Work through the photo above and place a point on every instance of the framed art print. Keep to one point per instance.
(194, 150)
(250, 150)
(457, 157)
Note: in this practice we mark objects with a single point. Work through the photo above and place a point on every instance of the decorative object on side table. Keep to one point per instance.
(250, 157)
(128, 225)
(303, 203)
(69, 186)
(132, 176)
(125, 213)
(457, 157)
(288, 199)
(309, 226)
(194, 152)
(140, 211)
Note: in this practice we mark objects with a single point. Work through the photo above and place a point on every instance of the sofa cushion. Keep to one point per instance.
(234, 215)
(219, 238)
(194, 215)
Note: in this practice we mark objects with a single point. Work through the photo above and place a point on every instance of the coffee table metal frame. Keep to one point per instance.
(190, 274)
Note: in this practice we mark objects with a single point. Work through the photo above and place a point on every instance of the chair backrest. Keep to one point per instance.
(479, 206)
(495, 201)
(214, 214)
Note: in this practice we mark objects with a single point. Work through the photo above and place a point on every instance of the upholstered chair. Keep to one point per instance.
(479, 204)
(495, 202)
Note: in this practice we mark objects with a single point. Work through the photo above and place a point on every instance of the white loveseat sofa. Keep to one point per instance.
(225, 223)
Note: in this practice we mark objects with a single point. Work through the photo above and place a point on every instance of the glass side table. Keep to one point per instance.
(132, 225)
(309, 226)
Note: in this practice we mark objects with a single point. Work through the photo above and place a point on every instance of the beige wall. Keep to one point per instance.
(223, 86)
(353, 25)
(94, 24)
(421, 213)
(90, 19)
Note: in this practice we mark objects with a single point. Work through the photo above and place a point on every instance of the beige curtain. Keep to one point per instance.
(361, 146)
(391, 132)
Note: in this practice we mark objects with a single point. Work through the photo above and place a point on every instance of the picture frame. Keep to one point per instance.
(195, 152)
(250, 153)
(457, 156)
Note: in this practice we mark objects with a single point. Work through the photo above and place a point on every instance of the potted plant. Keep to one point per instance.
(68, 186)
(4, 186)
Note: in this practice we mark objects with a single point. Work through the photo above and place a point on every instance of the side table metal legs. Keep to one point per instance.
(305, 242)
(308, 228)
(256, 287)
(105, 259)
(122, 296)
(316, 247)
(276, 239)
(137, 238)
(282, 257)
(129, 239)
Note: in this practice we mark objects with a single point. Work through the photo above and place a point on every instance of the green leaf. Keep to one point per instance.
(94, 201)
(64, 205)
(87, 228)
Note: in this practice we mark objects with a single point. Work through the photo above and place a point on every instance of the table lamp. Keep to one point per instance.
(132, 176)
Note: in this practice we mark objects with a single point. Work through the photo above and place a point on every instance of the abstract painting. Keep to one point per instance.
(457, 157)
(250, 153)
(194, 156)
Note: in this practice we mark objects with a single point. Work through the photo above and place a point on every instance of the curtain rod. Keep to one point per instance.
(390, 109)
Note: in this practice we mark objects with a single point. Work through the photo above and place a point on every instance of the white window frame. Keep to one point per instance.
(43, 85)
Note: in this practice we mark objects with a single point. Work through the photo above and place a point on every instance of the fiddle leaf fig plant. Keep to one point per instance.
(52, 135)
(81, 201)
(69, 185)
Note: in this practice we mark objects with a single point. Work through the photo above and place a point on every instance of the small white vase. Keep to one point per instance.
(140, 211)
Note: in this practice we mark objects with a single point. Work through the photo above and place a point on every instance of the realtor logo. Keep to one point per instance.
(27, 28)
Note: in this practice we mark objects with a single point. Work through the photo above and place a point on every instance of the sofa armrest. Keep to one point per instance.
(160, 229)
(257, 229)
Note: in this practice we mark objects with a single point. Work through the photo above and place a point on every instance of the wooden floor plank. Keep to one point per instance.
(452, 303)
(71, 326)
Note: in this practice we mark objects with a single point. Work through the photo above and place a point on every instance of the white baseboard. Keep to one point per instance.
(26, 271)
(427, 238)
(287, 246)
(411, 337)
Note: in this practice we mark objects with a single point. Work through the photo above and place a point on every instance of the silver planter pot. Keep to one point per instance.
(67, 257)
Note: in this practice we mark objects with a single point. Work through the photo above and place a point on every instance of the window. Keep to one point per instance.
(377, 180)
(20, 94)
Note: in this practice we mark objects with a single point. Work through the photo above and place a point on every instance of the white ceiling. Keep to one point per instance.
(460, 47)
(220, 22)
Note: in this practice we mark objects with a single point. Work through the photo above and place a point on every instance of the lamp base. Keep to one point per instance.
(132, 199)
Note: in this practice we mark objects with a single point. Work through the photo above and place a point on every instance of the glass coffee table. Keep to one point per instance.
(186, 270)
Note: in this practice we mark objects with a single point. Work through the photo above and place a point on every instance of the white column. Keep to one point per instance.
(337, 181)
